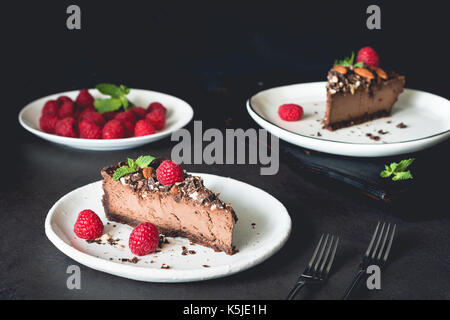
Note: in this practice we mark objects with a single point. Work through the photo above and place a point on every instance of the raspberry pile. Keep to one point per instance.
(79, 119)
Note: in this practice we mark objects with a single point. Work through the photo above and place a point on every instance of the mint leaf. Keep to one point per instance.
(122, 171)
(352, 58)
(398, 170)
(144, 161)
(118, 98)
(386, 172)
(107, 105)
(132, 164)
(402, 165)
(125, 90)
(109, 89)
(404, 175)
(349, 62)
(393, 166)
(124, 102)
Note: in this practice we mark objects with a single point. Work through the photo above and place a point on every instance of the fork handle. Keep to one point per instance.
(355, 281)
(295, 290)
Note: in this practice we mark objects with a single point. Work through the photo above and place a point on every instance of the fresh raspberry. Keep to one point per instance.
(88, 114)
(66, 127)
(67, 109)
(113, 129)
(139, 112)
(127, 115)
(290, 112)
(88, 225)
(128, 119)
(368, 56)
(109, 115)
(85, 99)
(144, 239)
(63, 99)
(143, 128)
(129, 128)
(48, 122)
(157, 118)
(156, 106)
(169, 172)
(50, 107)
(89, 130)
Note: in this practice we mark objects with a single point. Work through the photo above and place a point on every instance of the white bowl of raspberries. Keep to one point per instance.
(79, 119)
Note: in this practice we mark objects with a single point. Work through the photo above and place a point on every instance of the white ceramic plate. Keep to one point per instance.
(255, 243)
(179, 113)
(426, 116)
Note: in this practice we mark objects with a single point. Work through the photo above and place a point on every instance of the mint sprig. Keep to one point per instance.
(118, 98)
(349, 62)
(398, 170)
(133, 166)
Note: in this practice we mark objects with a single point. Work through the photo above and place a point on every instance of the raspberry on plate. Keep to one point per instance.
(88, 225)
(113, 129)
(143, 239)
(50, 107)
(156, 106)
(127, 115)
(109, 115)
(63, 99)
(129, 128)
(290, 112)
(48, 122)
(91, 115)
(157, 118)
(169, 173)
(89, 130)
(67, 109)
(139, 112)
(143, 128)
(128, 119)
(368, 56)
(66, 127)
(85, 99)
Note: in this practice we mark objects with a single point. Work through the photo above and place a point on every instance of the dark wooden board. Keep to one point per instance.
(429, 169)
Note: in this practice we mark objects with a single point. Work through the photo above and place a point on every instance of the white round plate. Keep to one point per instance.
(426, 116)
(179, 113)
(256, 243)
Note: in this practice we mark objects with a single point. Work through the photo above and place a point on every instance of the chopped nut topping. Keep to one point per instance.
(148, 172)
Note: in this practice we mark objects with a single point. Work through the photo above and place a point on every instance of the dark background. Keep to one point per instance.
(215, 55)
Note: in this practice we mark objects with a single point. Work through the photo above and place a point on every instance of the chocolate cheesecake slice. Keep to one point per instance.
(185, 209)
(358, 93)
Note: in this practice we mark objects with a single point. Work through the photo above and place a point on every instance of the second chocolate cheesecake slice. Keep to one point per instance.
(357, 93)
(186, 208)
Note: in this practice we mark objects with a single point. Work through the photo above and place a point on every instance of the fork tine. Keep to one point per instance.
(321, 253)
(382, 248)
(373, 239)
(327, 254)
(330, 261)
(378, 241)
(315, 253)
(389, 244)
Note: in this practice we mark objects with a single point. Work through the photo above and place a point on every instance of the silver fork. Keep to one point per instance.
(319, 266)
(375, 254)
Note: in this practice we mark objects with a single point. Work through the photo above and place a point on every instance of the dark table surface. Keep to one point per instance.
(214, 57)
(31, 267)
